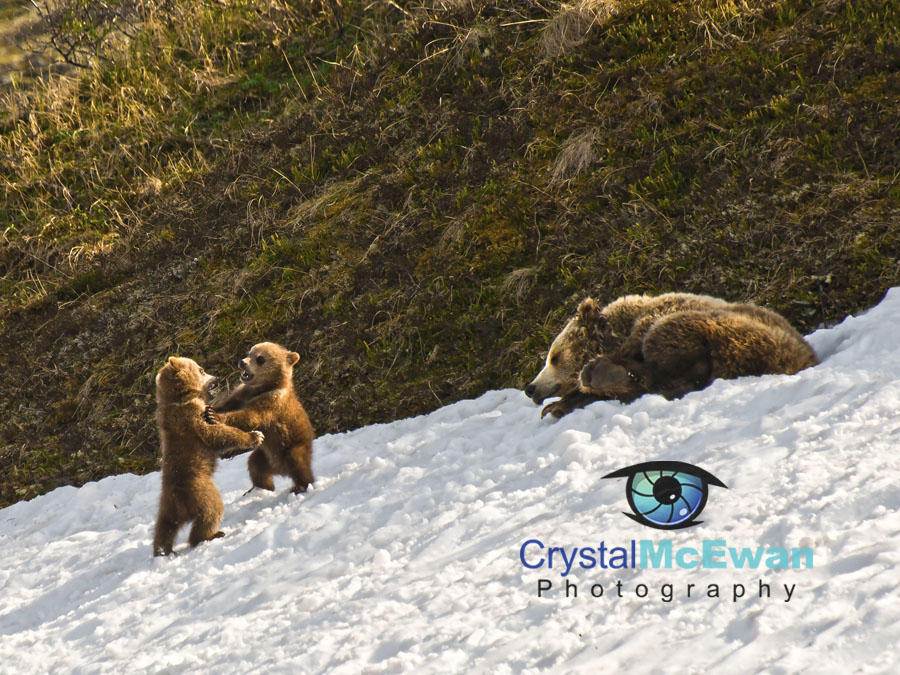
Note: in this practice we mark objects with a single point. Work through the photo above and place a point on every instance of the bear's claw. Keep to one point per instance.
(557, 409)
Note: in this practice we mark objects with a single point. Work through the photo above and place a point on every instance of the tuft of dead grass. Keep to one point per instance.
(520, 281)
(578, 153)
(571, 25)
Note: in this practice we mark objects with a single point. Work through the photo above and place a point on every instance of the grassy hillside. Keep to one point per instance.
(414, 195)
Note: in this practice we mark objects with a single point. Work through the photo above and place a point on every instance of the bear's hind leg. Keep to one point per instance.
(260, 470)
(301, 473)
(164, 534)
(209, 514)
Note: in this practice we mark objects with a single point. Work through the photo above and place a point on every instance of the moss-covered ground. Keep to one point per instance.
(414, 195)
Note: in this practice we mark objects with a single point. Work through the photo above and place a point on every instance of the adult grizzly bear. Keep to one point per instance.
(668, 344)
(265, 400)
(190, 447)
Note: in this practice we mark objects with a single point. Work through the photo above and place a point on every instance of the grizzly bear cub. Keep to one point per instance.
(190, 447)
(265, 400)
(669, 344)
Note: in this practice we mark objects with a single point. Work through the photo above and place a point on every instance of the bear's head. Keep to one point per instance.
(182, 380)
(583, 337)
(268, 366)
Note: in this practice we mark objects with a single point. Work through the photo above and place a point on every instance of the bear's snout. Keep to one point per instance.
(538, 392)
(212, 385)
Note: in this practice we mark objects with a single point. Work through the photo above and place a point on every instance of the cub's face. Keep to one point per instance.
(267, 364)
(183, 379)
(579, 341)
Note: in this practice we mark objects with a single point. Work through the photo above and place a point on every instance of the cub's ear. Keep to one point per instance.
(172, 361)
(292, 358)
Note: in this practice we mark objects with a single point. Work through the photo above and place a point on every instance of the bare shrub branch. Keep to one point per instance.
(80, 31)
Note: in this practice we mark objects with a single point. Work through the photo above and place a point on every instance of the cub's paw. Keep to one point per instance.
(258, 438)
(210, 416)
(602, 377)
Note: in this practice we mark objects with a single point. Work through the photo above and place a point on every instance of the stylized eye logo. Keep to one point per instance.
(666, 495)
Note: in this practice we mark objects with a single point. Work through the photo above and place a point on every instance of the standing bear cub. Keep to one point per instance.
(669, 344)
(265, 400)
(190, 448)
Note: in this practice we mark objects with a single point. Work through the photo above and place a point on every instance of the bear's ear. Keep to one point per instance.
(590, 317)
(171, 361)
(589, 313)
(292, 358)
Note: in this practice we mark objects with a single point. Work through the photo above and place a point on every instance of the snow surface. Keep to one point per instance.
(405, 556)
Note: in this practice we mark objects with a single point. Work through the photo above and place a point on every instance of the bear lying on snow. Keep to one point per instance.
(265, 400)
(668, 344)
(190, 448)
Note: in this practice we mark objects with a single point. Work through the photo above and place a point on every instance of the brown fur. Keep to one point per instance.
(190, 448)
(265, 400)
(669, 344)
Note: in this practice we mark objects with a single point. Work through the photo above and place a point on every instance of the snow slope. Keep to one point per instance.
(405, 556)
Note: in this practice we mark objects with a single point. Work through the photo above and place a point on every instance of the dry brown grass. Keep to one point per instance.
(520, 281)
(569, 28)
(577, 155)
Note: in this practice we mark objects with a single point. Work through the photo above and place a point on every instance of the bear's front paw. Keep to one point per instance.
(210, 416)
(557, 409)
(258, 438)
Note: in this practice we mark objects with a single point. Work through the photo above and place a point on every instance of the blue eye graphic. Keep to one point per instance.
(666, 495)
